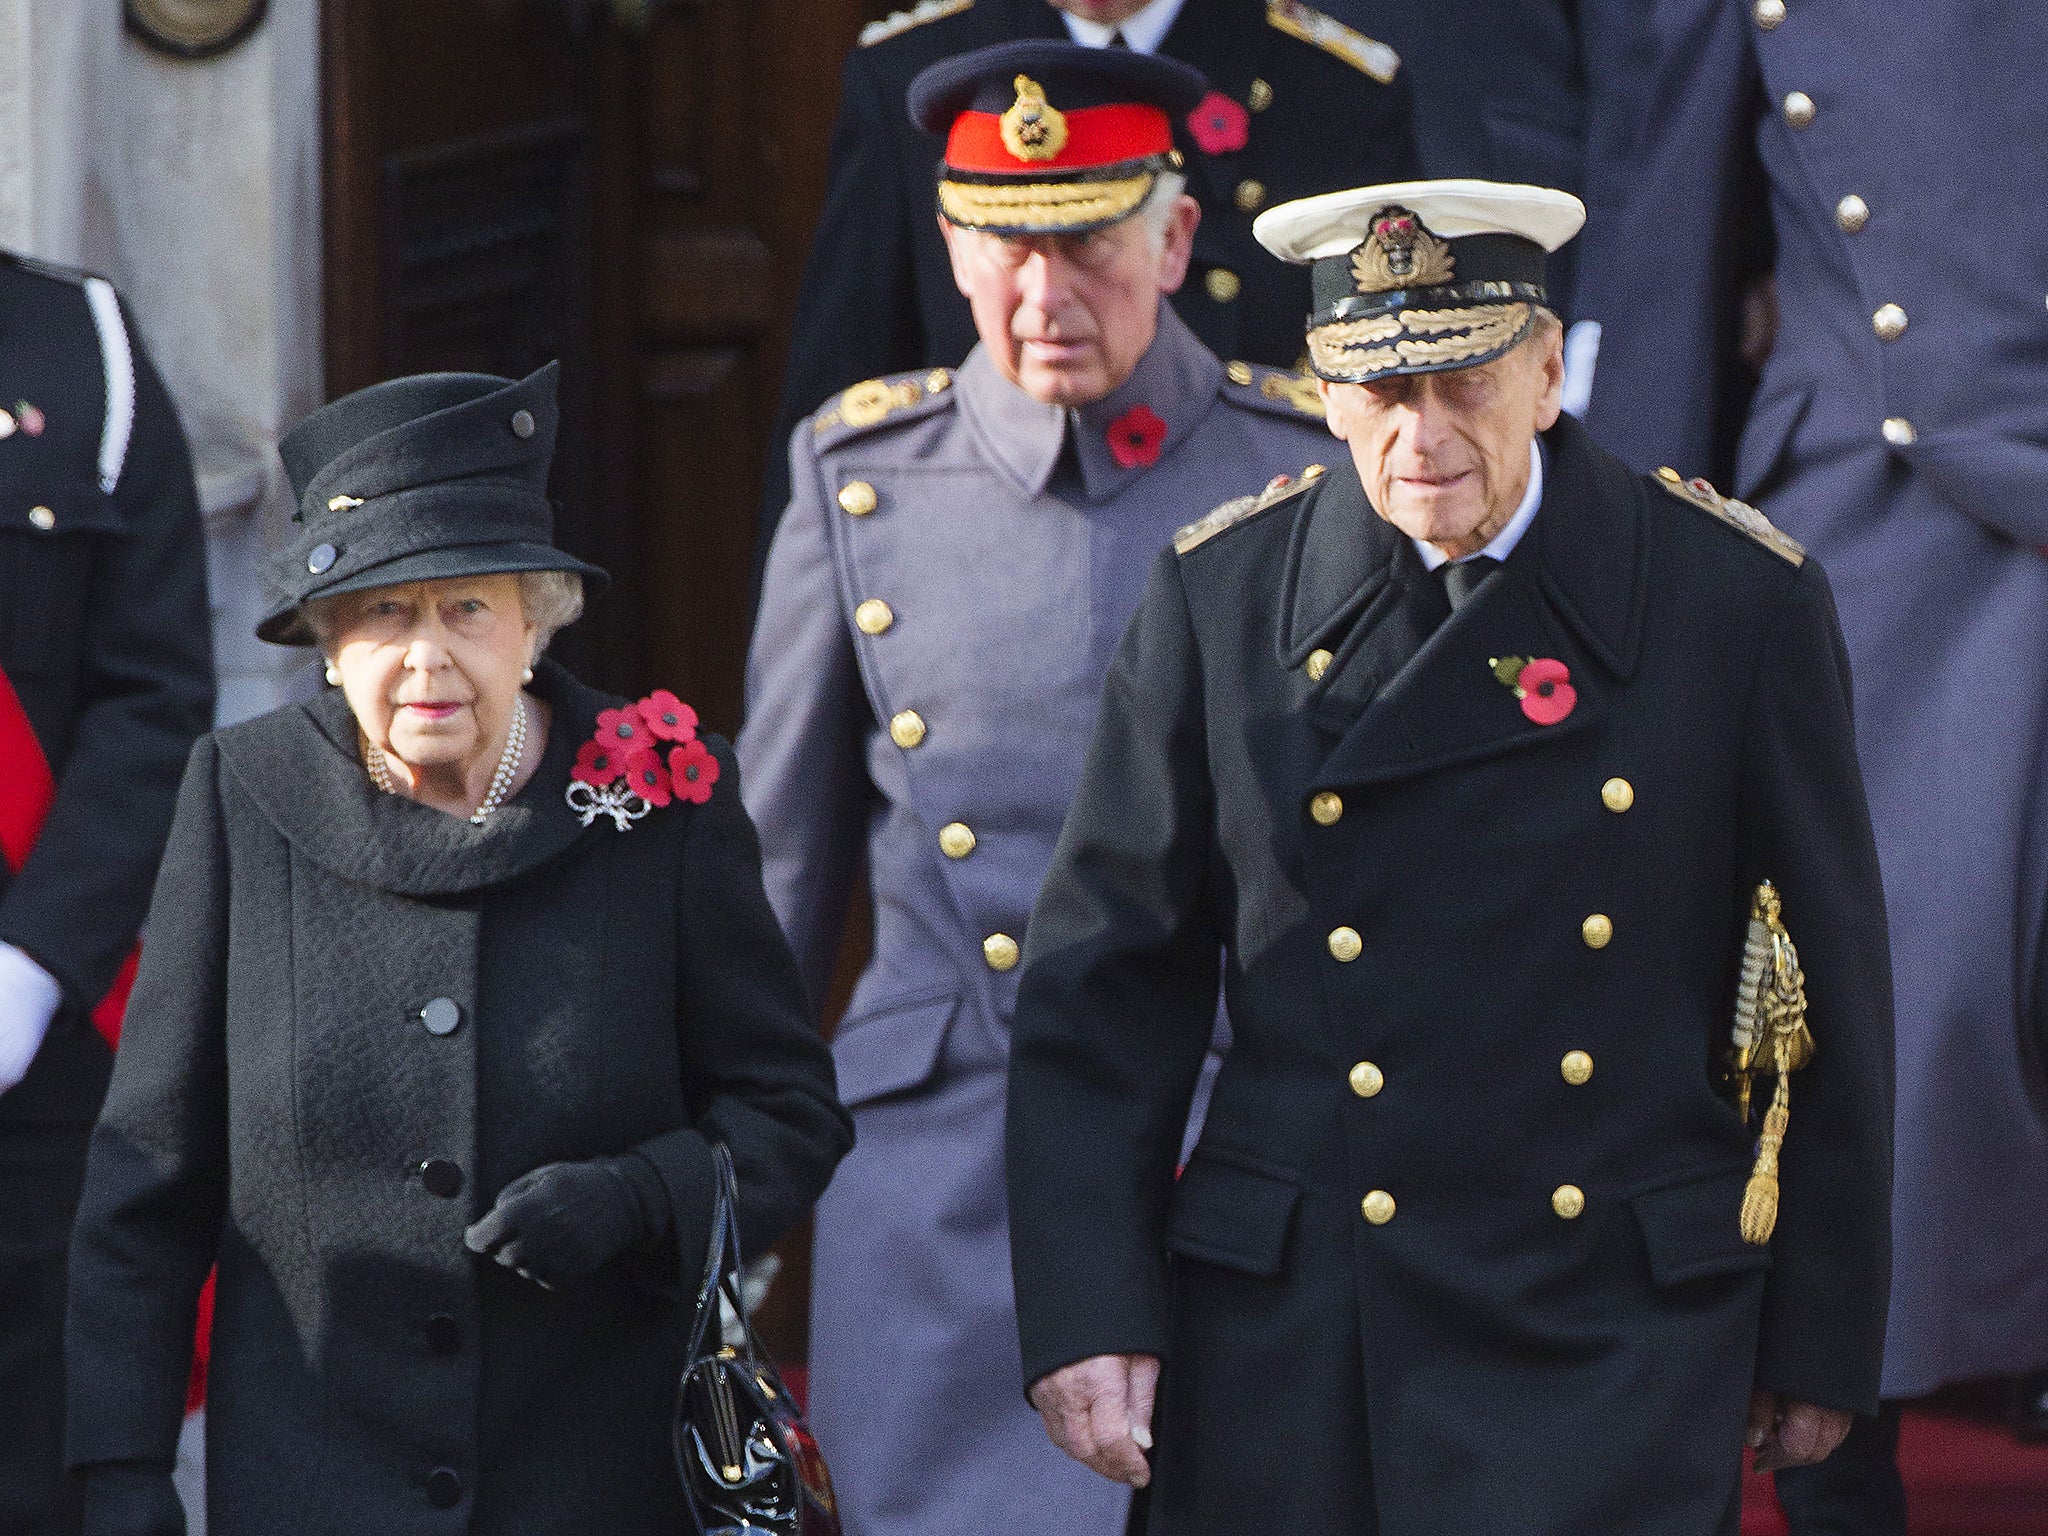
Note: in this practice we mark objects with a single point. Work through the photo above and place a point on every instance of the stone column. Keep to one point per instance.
(194, 187)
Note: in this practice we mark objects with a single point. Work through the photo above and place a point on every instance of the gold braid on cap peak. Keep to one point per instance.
(1390, 341)
(1041, 205)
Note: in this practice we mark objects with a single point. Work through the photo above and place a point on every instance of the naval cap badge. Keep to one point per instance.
(1400, 252)
(1033, 128)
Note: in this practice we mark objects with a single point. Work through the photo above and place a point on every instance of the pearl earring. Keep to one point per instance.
(333, 678)
(526, 676)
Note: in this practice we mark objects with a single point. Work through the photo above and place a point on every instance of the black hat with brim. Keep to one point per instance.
(418, 479)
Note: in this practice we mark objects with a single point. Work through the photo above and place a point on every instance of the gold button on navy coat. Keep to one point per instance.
(1434, 1309)
(1011, 544)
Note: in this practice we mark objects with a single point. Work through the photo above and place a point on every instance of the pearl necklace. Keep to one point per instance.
(508, 764)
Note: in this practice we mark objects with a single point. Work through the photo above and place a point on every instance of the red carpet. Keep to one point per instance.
(1964, 1477)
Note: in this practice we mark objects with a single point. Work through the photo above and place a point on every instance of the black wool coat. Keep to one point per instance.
(1380, 1309)
(280, 1105)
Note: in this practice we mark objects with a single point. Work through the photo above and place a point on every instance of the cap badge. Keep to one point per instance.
(1033, 129)
(1400, 252)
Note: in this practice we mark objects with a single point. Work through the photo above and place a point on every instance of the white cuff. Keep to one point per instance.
(29, 996)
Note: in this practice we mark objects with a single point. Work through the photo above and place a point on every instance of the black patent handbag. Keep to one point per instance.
(747, 1460)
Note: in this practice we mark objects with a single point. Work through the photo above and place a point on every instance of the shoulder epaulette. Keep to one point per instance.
(896, 23)
(1366, 54)
(873, 401)
(1277, 390)
(1280, 488)
(1739, 515)
(75, 276)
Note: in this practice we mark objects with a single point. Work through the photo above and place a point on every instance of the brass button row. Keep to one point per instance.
(857, 498)
(1366, 1079)
(1568, 1200)
(1000, 951)
(1317, 664)
(874, 617)
(43, 518)
(1889, 322)
(1800, 110)
(1346, 945)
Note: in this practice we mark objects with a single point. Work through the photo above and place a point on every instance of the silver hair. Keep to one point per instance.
(1157, 209)
(550, 601)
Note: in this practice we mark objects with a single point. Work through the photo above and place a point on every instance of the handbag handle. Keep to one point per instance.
(722, 1263)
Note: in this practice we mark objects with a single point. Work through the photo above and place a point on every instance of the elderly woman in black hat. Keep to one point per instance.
(454, 977)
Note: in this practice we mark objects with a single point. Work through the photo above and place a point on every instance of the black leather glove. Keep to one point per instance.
(562, 1221)
(131, 1498)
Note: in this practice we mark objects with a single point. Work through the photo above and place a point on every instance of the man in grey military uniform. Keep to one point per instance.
(961, 552)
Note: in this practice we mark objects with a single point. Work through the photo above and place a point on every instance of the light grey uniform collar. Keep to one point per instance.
(1176, 382)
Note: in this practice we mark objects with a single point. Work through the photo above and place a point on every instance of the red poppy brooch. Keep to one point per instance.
(641, 756)
(1136, 437)
(1218, 124)
(1542, 683)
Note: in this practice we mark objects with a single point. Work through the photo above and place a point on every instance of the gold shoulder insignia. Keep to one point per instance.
(1236, 510)
(1368, 55)
(896, 23)
(1739, 515)
(1275, 389)
(873, 401)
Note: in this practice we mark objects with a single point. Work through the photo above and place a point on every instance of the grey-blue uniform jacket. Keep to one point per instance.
(941, 604)
(1890, 157)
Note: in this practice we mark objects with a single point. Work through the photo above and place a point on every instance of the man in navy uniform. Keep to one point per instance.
(961, 552)
(106, 680)
(1460, 767)
(1859, 192)
(1302, 103)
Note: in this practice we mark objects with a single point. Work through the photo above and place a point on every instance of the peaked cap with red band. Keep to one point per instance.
(1051, 137)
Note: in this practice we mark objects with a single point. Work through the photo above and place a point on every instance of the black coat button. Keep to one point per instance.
(322, 559)
(444, 1334)
(441, 1177)
(442, 1016)
(444, 1488)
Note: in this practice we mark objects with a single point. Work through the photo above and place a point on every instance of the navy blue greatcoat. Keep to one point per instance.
(1459, 1248)
(1882, 161)
(945, 593)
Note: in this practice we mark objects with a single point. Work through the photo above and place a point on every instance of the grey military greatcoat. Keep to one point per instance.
(941, 604)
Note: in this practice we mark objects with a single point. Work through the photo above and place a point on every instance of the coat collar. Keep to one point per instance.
(1573, 589)
(1175, 382)
(301, 767)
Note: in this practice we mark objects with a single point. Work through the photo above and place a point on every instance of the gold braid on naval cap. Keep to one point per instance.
(1415, 338)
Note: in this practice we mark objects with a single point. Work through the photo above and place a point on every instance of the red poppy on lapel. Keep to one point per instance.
(1219, 125)
(596, 765)
(1542, 684)
(668, 717)
(1136, 437)
(693, 770)
(646, 776)
(622, 729)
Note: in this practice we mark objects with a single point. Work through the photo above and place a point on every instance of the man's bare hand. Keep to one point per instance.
(1099, 1411)
(1792, 1434)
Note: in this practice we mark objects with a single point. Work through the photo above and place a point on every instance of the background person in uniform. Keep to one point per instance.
(1462, 1246)
(1899, 429)
(106, 679)
(405, 1012)
(961, 552)
(1303, 103)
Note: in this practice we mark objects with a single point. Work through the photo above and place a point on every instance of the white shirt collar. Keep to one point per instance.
(1144, 32)
(1511, 535)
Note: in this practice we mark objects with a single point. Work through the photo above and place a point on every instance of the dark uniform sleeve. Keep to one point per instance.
(1806, 827)
(759, 1075)
(1115, 1011)
(856, 313)
(147, 682)
(156, 1179)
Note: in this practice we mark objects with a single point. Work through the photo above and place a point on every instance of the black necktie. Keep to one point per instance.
(1461, 578)
(1116, 40)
